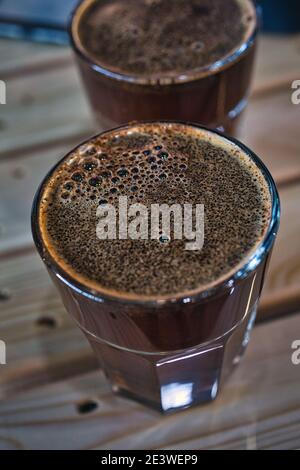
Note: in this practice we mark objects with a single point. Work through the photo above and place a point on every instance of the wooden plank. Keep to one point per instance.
(278, 61)
(271, 129)
(50, 106)
(43, 109)
(62, 117)
(282, 290)
(50, 109)
(22, 57)
(20, 179)
(43, 344)
(273, 135)
(258, 408)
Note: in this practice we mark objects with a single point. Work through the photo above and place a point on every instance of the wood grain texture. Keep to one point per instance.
(46, 105)
(271, 122)
(48, 126)
(46, 115)
(42, 109)
(23, 169)
(258, 408)
(271, 129)
(43, 344)
(19, 180)
(278, 61)
(282, 289)
(25, 57)
(278, 58)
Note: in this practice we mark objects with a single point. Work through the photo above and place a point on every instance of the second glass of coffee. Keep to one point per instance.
(161, 59)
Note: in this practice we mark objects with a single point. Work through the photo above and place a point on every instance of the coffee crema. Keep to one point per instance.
(154, 163)
(162, 37)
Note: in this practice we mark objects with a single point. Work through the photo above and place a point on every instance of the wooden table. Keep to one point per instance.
(50, 372)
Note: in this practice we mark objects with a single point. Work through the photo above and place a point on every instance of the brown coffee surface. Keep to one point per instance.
(158, 37)
(154, 164)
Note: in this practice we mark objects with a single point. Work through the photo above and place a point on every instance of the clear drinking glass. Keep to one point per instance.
(214, 96)
(169, 352)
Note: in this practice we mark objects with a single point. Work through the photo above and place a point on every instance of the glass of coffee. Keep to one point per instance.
(161, 59)
(158, 235)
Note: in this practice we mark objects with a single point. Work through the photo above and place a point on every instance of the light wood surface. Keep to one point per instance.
(271, 130)
(259, 407)
(277, 62)
(50, 367)
(23, 57)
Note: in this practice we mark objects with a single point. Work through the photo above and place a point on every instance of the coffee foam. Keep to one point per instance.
(162, 38)
(154, 163)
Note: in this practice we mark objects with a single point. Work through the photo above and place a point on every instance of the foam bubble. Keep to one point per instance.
(201, 168)
(184, 35)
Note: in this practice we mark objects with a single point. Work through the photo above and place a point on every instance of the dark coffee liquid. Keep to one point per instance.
(171, 351)
(157, 37)
(154, 163)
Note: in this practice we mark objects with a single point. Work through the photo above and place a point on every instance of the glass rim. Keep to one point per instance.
(246, 266)
(151, 80)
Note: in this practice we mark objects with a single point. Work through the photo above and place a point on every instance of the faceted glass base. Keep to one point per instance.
(170, 382)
